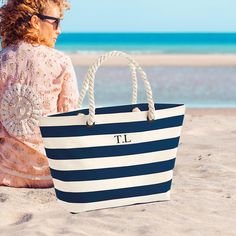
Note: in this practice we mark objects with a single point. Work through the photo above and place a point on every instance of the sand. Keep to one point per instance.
(79, 59)
(203, 196)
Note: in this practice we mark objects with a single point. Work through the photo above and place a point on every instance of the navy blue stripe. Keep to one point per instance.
(97, 196)
(109, 151)
(115, 128)
(119, 109)
(114, 172)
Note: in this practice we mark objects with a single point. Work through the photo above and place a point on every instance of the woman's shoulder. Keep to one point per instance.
(23, 46)
(36, 55)
(46, 52)
(55, 55)
(42, 52)
(54, 51)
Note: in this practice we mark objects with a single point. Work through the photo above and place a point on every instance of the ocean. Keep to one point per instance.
(197, 86)
(149, 42)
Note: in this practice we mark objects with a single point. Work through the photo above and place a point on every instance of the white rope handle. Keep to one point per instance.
(91, 76)
(85, 84)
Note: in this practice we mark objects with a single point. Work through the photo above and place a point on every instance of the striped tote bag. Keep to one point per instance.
(112, 156)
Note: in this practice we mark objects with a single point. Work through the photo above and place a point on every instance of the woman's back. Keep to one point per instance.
(50, 76)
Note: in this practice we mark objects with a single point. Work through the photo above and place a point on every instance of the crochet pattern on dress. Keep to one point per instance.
(20, 110)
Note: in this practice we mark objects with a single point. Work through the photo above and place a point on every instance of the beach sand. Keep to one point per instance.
(79, 59)
(203, 196)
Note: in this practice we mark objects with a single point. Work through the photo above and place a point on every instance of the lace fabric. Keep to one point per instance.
(34, 81)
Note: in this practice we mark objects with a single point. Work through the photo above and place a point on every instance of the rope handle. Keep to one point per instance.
(85, 85)
(90, 77)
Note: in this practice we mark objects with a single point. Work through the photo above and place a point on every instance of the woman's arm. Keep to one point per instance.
(69, 95)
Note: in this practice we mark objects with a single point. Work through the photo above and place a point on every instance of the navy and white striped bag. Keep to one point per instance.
(121, 155)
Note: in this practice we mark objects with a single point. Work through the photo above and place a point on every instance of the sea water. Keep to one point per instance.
(195, 86)
(149, 42)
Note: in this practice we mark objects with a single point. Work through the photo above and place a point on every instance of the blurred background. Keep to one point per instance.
(202, 34)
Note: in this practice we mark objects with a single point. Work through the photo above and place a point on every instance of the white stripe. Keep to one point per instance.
(81, 207)
(110, 118)
(115, 183)
(111, 139)
(115, 161)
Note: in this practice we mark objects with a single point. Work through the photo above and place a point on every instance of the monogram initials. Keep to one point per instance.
(122, 138)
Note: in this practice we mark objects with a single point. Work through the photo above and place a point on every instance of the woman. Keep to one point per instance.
(35, 80)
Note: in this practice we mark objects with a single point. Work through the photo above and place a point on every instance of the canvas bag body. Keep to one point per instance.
(121, 155)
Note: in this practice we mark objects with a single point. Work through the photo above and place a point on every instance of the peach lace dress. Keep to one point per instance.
(49, 74)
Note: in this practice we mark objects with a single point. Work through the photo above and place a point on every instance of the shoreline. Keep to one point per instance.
(80, 59)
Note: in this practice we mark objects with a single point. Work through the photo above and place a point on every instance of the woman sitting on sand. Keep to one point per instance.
(35, 80)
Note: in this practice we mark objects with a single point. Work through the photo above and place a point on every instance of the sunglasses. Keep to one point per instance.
(45, 17)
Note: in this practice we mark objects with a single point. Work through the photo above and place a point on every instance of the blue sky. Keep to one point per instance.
(151, 16)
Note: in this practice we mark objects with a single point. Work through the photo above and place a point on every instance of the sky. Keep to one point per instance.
(150, 16)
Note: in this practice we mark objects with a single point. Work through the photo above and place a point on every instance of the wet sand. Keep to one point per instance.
(161, 59)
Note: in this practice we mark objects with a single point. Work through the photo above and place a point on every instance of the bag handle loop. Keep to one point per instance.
(90, 77)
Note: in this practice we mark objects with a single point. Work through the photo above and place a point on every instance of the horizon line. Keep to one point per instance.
(140, 32)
